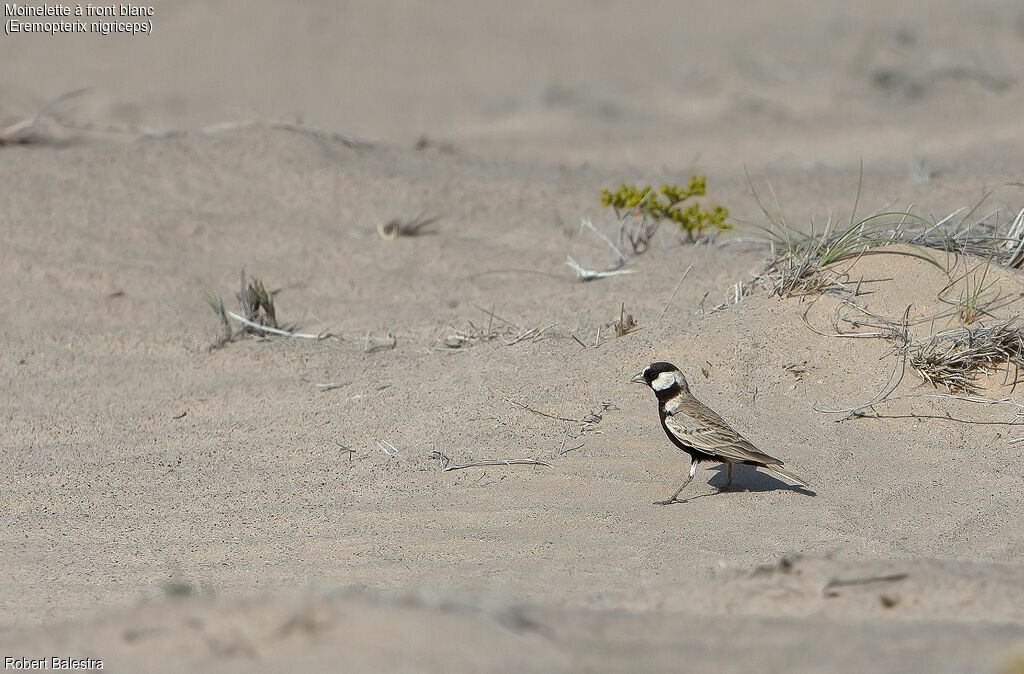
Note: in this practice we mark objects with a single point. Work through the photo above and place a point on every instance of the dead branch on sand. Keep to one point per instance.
(830, 589)
(673, 295)
(447, 466)
(585, 425)
(396, 227)
(386, 447)
(565, 436)
(583, 274)
(272, 331)
(538, 412)
(330, 386)
(279, 125)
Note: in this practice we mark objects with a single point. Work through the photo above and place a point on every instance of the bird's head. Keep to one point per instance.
(662, 377)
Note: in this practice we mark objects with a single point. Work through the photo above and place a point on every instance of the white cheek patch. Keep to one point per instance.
(663, 381)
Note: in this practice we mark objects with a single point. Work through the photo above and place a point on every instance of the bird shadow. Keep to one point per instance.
(747, 478)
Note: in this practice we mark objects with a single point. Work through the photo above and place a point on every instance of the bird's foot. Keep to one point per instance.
(670, 501)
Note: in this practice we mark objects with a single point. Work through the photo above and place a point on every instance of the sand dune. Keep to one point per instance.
(138, 462)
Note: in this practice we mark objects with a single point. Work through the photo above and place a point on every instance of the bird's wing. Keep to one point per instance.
(699, 426)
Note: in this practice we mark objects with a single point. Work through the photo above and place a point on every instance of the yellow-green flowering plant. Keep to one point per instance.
(652, 207)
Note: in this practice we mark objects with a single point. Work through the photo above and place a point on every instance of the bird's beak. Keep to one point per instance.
(638, 378)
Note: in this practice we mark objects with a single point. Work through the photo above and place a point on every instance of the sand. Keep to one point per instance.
(140, 466)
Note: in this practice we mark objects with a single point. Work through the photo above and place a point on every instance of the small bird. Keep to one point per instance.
(698, 430)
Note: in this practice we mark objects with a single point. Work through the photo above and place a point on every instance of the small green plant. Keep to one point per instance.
(970, 308)
(652, 207)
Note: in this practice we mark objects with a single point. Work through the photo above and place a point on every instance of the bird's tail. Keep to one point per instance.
(786, 473)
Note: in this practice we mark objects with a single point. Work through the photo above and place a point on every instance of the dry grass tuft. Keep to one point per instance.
(258, 314)
(955, 359)
(256, 302)
(625, 324)
(970, 306)
(812, 263)
(227, 332)
(640, 212)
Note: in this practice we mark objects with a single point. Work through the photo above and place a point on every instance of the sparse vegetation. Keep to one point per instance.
(625, 324)
(810, 263)
(258, 314)
(508, 333)
(956, 357)
(969, 306)
(640, 212)
(806, 263)
(257, 304)
(653, 207)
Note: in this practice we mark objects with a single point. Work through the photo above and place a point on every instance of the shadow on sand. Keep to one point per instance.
(748, 478)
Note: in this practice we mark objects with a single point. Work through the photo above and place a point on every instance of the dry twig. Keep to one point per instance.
(509, 335)
(331, 386)
(673, 295)
(613, 269)
(386, 447)
(395, 228)
(625, 324)
(274, 331)
(446, 466)
(543, 414)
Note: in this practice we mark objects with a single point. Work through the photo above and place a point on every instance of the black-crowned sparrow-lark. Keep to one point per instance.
(698, 430)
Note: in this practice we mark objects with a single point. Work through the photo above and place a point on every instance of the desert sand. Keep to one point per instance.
(279, 504)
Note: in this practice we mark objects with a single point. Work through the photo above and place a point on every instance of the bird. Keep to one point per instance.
(699, 431)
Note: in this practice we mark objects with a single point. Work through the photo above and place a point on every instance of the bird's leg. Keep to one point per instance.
(728, 481)
(672, 499)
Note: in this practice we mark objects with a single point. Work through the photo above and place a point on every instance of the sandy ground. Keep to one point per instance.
(138, 464)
